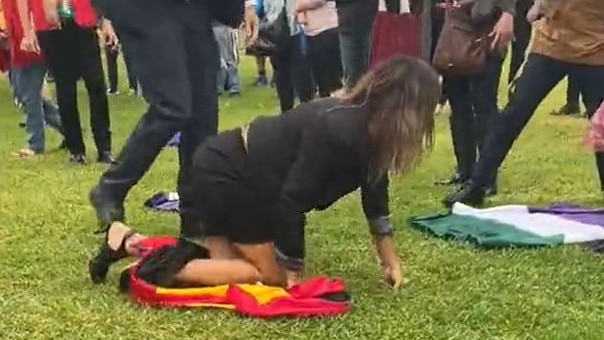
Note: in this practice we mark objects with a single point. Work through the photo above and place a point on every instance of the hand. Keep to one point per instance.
(391, 272)
(294, 277)
(251, 24)
(503, 33)
(534, 13)
(109, 36)
(29, 43)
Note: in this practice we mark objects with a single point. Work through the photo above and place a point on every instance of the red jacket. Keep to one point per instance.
(18, 57)
(85, 16)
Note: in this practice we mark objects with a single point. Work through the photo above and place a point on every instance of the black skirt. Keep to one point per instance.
(226, 196)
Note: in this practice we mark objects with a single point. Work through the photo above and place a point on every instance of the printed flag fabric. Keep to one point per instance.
(312, 298)
(164, 202)
(519, 225)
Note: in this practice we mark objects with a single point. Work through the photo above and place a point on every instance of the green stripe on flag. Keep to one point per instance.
(485, 232)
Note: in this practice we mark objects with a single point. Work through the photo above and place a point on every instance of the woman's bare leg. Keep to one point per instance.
(262, 256)
(215, 272)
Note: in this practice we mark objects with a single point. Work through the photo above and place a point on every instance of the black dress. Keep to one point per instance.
(260, 191)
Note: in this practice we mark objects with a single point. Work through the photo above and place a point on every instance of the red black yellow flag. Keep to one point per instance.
(315, 297)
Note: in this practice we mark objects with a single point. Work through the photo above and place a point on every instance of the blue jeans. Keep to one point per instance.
(355, 50)
(13, 82)
(228, 78)
(28, 86)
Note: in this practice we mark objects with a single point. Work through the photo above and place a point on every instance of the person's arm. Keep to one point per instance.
(29, 42)
(375, 206)
(300, 193)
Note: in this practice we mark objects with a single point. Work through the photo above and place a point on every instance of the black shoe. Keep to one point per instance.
(107, 209)
(455, 179)
(62, 146)
(469, 194)
(79, 159)
(98, 266)
(567, 110)
(490, 191)
(106, 157)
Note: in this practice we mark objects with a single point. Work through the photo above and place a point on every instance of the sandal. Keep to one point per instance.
(111, 251)
(24, 153)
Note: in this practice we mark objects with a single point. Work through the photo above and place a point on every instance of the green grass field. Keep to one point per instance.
(455, 291)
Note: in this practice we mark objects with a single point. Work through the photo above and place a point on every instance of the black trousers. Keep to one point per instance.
(175, 60)
(292, 74)
(473, 102)
(73, 53)
(326, 64)
(437, 21)
(540, 75)
(111, 55)
(522, 37)
(573, 93)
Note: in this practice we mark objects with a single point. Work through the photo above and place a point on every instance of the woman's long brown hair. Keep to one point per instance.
(401, 97)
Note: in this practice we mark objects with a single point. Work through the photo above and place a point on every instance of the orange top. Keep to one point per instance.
(572, 31)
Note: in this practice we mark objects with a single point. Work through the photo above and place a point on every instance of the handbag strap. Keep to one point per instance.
(405, 6)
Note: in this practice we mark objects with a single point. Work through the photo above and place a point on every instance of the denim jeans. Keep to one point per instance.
(29, 82)
(539, 76)
(228, 78)
(355, 50)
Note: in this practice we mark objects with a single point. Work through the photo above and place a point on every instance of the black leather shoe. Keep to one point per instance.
(455, 179)
(469, 194)
(99, 265)
(490, 191)
(106, 157)
(78, 159)
(107, 209)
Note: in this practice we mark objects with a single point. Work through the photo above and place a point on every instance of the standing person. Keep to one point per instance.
(111, 54)
(568, 42)
(179, 83)
(319, 19)
(228, 74)
(355, 19)
(473, 98)
(70, 42)
(291, 67)
(29, 68)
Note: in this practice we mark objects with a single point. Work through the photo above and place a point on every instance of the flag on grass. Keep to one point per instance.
(164, 201)
(519, 225)
(315, 297)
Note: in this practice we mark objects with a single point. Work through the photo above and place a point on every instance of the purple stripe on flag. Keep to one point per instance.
(573, 213)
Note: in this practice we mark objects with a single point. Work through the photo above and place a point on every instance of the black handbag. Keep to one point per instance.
(227, 12)
(273, 36)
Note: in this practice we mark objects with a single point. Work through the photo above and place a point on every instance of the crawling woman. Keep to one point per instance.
(251, 187)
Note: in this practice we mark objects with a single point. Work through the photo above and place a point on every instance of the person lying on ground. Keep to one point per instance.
(251, 187)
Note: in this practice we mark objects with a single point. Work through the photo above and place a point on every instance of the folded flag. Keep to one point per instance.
(519, 225)
(163, 201)
(316, 297)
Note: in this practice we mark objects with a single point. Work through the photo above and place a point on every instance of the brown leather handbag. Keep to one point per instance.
(463, 47)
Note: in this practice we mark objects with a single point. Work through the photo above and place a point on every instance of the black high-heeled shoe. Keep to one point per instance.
(98, 266)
